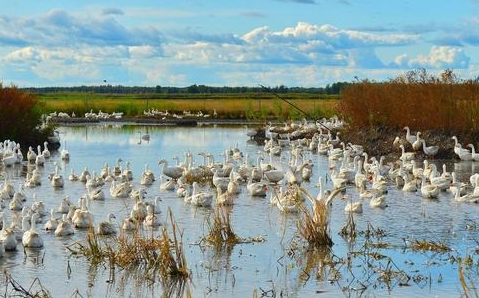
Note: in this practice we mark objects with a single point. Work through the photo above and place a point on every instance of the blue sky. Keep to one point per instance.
(220, 42)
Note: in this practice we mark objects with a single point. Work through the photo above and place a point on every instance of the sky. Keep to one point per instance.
(307, 43)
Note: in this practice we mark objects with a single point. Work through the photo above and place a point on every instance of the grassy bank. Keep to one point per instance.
(234, 106)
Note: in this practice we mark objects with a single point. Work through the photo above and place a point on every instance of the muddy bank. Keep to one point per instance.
(378, 141)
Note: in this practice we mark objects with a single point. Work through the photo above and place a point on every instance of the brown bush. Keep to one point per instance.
(20, 116)
(416, 99)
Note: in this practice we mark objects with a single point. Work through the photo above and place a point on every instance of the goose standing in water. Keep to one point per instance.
(52, 223)
(353, 207)
(129, 224)
(31, 238)
(474, 155)
(107, 227)
(84, 175)
(7, 236)
(72, 176)
(31, 155)
(82, 218)
(65, 154)
(428, 191)
(223, 198)
(57, 179)
(64, 227)
(168, 184)
(64, 206)
(200, 199)
(174, 172)
(429, 151)
(40, 160)
(152, 219)
(46, 153)
(147, 177)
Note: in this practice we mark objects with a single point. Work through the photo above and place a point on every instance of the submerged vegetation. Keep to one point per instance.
(161, 256)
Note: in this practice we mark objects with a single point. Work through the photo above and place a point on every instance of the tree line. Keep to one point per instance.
(334, 88)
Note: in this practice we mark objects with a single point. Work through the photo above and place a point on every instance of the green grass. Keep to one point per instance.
(248, 105)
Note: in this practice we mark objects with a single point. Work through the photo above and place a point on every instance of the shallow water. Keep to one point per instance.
(276, 266)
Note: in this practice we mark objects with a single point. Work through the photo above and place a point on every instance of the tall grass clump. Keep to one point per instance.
(163, 255)
(417, 99)
(220, 231)
(20, 116)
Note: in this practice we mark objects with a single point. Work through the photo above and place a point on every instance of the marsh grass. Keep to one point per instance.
(349, 230)
(428, 245)
(220, 231)
(313, 225)
(163, 255)
(417, 99)
(35, 290)
(244, 106)
(467, 278)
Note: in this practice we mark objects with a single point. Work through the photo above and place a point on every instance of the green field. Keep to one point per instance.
(234, 106)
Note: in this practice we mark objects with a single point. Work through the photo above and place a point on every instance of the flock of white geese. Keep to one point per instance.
(281, 166)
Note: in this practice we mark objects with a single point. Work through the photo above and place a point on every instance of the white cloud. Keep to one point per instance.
(439, 57)
(329, 35)
(60, 28)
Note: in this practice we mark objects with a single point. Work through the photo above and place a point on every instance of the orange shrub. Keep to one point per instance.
(20, 115)
(416, 99)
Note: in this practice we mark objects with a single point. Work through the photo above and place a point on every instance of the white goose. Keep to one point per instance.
(429, 151)
(64, 227)
(40, 160)
(257, 189)
(463, 153)
(152, 219)
(173, 172)
(474, 155)
(147, 177)
(72, 176)
(428, 191)
(467, 198)
(64, 206)
(57, 179)
(46, 153)
(201, 199)
(31, 155)
(83, 218)
(405, 156)
(169, 184)
(129, 224)
(107, 227)
(223, 198)
(52, 223)
(353, 207)
(7, 236)
(417, 145)
(378, 201)
(410, 185)
(409, 137)
(31, 238)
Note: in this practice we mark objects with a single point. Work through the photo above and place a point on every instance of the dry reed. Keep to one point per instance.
(220, 231)
(416, 99)
(313, 225)
(163, 255)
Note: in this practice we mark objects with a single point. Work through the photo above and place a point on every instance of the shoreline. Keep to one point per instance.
(160, 122)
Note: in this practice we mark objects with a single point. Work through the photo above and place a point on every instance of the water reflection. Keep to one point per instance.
(240, 270)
